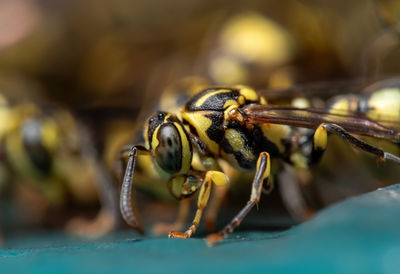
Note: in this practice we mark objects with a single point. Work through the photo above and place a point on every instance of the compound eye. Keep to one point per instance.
(168, 153)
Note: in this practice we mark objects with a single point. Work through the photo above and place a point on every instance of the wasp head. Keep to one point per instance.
(169, 143)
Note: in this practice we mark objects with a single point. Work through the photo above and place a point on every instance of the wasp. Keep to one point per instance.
(238, 125)
(48, 156)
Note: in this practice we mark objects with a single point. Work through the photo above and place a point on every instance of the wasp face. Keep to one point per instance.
(169, 142)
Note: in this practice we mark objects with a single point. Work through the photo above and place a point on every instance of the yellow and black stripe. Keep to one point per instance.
(205, 115)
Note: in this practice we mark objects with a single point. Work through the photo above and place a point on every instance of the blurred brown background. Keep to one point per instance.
(109, 61)
(95, 53)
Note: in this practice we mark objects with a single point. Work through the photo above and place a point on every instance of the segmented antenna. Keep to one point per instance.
(126, 205)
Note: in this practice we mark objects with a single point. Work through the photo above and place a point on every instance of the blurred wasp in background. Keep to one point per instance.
(236, 125)
(48, 159)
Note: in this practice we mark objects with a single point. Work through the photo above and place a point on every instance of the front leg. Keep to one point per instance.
(216, 177)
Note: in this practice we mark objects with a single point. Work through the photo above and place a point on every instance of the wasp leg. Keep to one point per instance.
(358, 143)
(292, 195)
(212, 176)
(108, 218)
(128, 210)
(218, 195)
(102, 224)
(211, 214)
(262, 174)
(183, 212)
(320, 142)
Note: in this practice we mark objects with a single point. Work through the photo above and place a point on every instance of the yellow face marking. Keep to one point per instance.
(167, 117)
(237, 143)
(276, 133)
(201, 100)
(320, 138)
(186, 152)
(385, 105)
(154, 140)
(201, 124)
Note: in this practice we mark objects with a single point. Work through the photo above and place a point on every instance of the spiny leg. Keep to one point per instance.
(262, 174)
(210, 177)
(128, 210)
(108, 218)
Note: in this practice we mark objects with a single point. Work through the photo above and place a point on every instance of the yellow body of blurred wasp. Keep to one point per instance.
(48, 154)
(237, 125)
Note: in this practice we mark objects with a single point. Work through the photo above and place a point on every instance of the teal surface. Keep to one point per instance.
(359, 235)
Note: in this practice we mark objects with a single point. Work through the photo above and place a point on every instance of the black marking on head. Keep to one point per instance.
(215, 102)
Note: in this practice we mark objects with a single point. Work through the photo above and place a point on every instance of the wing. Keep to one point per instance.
(328, 89)
(311, 118)
(322, 90)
